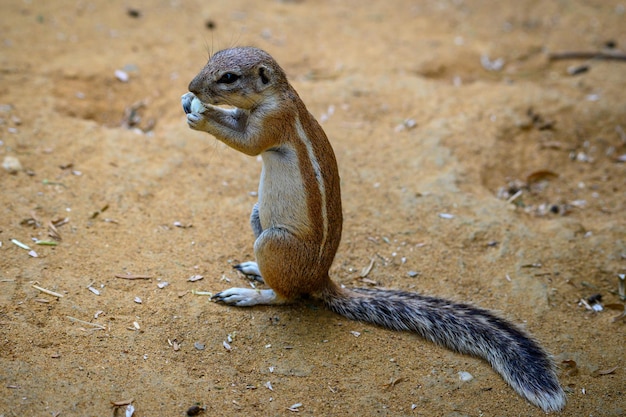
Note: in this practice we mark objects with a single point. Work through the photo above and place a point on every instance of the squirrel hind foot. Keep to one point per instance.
(247, 297)
(250, 270)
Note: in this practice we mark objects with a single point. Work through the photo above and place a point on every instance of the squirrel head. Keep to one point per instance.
(241, 77)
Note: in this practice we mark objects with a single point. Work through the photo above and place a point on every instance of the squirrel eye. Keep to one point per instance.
(228, 78)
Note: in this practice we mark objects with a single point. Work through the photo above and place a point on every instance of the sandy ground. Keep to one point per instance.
(433, 107)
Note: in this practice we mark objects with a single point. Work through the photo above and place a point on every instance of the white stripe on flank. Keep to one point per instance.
(318, 176)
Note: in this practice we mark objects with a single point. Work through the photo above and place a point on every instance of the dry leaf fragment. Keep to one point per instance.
(365, 271)
(46, 242)
(554, 144)
(98, 212)
(31, 221)
(392, 383)
(182, 225)
(20, 244)
(44, 290)
(122, 403)
(571, 367)
(96, 325)
(620, 316)
(369, 281)
(60, 221)
(195, 278)
(207, 293)
(294, 408)
(53, 232)
(540, 175)
(599, 372)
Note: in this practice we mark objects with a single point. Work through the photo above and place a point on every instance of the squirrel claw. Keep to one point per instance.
(218, 298)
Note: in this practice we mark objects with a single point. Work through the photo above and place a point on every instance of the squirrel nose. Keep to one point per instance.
(195, 85)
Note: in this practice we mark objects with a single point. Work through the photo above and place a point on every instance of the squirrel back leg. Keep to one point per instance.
(288, 277)
(247, 297)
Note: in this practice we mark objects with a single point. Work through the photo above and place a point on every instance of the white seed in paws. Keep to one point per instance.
(196, 105)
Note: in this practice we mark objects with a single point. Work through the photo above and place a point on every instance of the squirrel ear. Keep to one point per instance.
(264, 74)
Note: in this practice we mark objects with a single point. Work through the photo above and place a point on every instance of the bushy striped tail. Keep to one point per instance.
(512, 353)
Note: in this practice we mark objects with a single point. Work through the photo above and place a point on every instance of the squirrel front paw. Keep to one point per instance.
(186, 100)
(197, 121)
(191, 104)
(194, 110)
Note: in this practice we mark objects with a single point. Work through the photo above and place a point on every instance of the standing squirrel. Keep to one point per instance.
(297, 224)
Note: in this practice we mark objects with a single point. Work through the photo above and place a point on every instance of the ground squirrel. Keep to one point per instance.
(297, 224)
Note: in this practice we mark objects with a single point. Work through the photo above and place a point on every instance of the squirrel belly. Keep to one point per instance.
(298, 219)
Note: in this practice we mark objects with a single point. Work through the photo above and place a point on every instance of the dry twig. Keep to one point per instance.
(129, 276)
(604, 55)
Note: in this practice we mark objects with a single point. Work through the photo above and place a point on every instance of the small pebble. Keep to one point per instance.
(577, 69)
(194, 410)
(134, 13)
(122, 76)
(465, 376)
(11, 165)
(198, 345)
